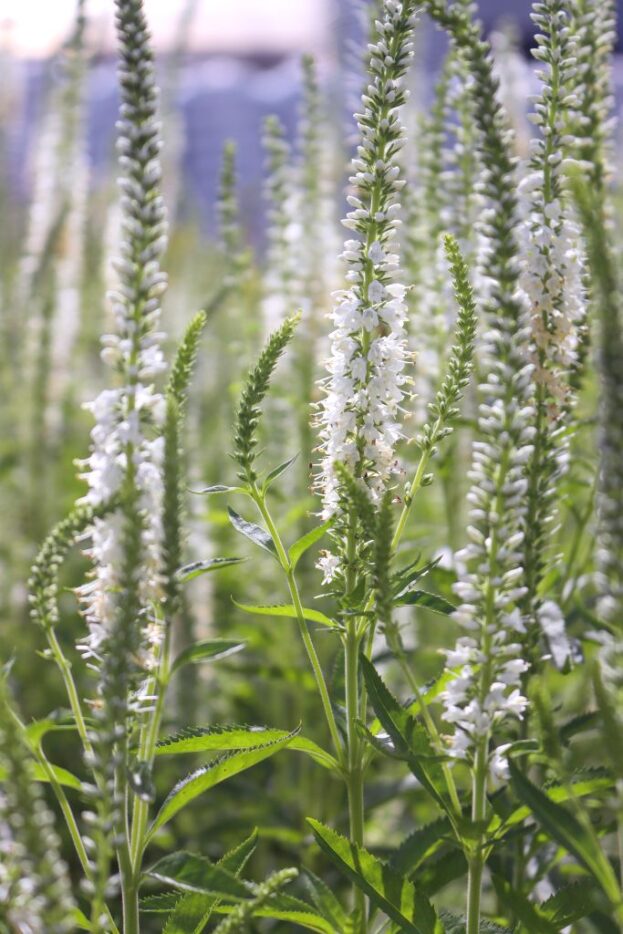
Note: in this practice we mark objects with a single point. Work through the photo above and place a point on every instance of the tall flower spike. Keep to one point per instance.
(126, 455)
(485, 692)
(552, 274)
(365, 387)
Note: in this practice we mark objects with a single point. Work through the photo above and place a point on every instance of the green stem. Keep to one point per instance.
(476, 859)
(64, 666)
(146, 753)
(354, 774)
(310, 648)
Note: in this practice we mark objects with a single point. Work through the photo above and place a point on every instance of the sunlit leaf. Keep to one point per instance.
(211, 650)
(388, 891)
(252, 531)
(213, 774)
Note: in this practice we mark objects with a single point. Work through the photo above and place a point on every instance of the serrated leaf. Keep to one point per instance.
(304, 543)
(219, 739)
(521, 908)
(410, 739)
(282, 907)
(160, 904)
(188, 872)
(434, 875)
(213, 774)
(325, 901)
(277, 472)
(388, 891)
(567, 830)
(585, 721)
(193, 911)
(211, 650)
(557, 793)
(287, 610)
(430, 601)
(198, 568)
(253, 532)
(419, 846)
(570, 903)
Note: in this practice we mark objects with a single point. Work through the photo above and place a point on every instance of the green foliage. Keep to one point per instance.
(394, 895)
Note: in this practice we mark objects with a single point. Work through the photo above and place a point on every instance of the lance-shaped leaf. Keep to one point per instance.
(188, 872)
(191, 912)
(211, 650)
(394, 895)
(298, 549)
(277, 472)
(419, 845)
(409, 737)
(325, 901)
(197, 568)
(213, 774)
(253, 532)
(575, 836)
(599, 783)
(522, 908)
(287, 610)
(220, 739)
(431, 601)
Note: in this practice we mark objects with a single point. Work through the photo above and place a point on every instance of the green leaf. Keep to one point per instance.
(611, 725)
(190, 873)
(218, 488)
(211, 650)
(59, 720)
(287, 610)
(80, 920)
(252, 531)
(277, 471)
(162, 903)
(288, 908)
(430, 601)
(410, 739)
(303, 544)
(62, 776)
(193, 911)
(213, 774)
(325, 901)
(567, 830)
(239, 737)
(197, 568)
(570, 903)
(521, 908)
(419, 846)
(388, 891)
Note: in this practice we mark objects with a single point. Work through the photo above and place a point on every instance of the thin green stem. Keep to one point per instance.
(354, 773)
(150, 731)
(64, 666)
(476, 859)
(310, 648)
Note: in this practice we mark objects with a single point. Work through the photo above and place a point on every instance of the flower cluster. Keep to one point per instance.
(593, 23)
(125, 458)
(365, 386)
(486, 690)
(552, 279)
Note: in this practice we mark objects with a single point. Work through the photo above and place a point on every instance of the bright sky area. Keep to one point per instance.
(37, 26)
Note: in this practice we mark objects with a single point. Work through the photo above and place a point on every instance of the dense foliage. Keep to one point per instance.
(334, 645)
